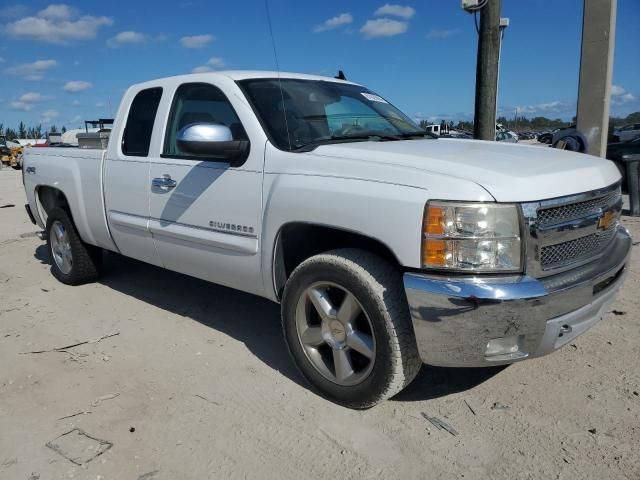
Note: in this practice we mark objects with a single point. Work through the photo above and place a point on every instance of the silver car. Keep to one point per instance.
(506, 137)
(628, 132)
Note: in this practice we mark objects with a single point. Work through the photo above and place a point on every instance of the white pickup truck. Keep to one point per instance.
(385, 246)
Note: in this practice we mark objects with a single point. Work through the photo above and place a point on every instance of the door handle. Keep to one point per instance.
(164, 182)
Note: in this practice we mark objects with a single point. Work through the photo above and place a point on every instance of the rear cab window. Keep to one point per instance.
(142, 114)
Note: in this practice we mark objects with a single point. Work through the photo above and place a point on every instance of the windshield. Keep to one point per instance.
(317, 112)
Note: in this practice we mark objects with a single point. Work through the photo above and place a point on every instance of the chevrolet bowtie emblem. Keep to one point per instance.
(606, 220)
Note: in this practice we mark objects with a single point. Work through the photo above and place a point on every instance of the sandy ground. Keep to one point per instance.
(197, 384)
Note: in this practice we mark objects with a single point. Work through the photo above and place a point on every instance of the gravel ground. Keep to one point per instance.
(196, 383)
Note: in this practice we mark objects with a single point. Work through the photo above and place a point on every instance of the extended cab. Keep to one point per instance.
(385, 246)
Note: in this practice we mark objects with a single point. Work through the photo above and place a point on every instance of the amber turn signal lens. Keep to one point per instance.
(433, 222)
(433, 252)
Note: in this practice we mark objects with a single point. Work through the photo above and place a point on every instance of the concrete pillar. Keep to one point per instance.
(484, 118)
(596, 66)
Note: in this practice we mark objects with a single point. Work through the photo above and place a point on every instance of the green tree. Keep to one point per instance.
(22, 130)
(53, 129)
(10, 133)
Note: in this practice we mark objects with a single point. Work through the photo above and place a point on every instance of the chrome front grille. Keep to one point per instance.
(554, 215)
(565, 232)
(574, 250)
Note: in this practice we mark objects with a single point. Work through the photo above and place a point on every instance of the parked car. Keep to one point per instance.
(615, 152)
(627, 133)
(506, 137)
(385, 246)
(547, 137)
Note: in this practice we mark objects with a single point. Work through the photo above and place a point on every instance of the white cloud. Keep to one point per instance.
(75, 120)
(58, 12)
(442, 34)
(27, 101)
(126, 38)
(59, 24)
(617, 90)
(395, 11)
(75, 86)
(32, 97)
(196, 41)
(215, 62)
(334, 22)
(212, 64)
(555, 107)
(32, 71)
(14, 11)
(383, 27)
(619, 96)
(48, 116)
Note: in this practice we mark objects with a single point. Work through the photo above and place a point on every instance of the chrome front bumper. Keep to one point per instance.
(460, 321)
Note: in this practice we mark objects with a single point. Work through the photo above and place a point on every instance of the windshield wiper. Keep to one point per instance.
(374, 137)
(368, 137)
(417, 134)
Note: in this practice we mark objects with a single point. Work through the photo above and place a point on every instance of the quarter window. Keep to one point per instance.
(137, 132)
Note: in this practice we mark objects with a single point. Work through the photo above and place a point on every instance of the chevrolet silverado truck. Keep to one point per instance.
(385, 247)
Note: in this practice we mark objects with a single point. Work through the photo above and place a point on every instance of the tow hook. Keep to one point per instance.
(565, 329)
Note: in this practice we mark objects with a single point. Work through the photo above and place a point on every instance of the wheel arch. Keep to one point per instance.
(297, 241)
(48, 198)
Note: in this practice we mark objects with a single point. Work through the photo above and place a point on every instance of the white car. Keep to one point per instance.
(386, 246)
(628, 132)
(506, 137)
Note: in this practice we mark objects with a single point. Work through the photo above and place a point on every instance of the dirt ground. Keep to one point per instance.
(195, 383)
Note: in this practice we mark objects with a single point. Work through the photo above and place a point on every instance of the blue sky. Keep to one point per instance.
(63, 63)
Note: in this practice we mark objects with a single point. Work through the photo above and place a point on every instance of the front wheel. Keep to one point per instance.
(347, 325)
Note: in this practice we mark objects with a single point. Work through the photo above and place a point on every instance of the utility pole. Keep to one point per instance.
(484, 125)
(596, 65)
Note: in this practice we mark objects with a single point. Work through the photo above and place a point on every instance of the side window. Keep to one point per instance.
(199, 103)
(142, 114)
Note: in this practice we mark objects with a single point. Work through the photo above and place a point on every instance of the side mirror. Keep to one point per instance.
(212, 141)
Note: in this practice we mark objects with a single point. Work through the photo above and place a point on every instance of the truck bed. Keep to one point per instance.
(78, 172)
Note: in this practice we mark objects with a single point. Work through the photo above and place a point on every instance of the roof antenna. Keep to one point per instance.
(275, 56)
(340, 75)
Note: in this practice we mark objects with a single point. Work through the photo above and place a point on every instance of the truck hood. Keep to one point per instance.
(509, 172)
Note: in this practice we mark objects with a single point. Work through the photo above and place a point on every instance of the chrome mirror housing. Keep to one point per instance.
(212, 141)
(203, 133)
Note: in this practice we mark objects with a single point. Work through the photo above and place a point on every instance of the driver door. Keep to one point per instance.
(205, 214)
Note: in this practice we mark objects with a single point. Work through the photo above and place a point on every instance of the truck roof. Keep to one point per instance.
(242, 75)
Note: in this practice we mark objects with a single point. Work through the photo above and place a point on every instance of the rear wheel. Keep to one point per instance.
(72, 261)
(346, 322)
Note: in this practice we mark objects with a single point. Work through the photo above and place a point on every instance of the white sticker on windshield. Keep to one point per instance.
(373, 98)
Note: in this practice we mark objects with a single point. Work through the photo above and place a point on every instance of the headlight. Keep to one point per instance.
(478, 237)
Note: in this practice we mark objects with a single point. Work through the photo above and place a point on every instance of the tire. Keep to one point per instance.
(73, 262)
(378, 291)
